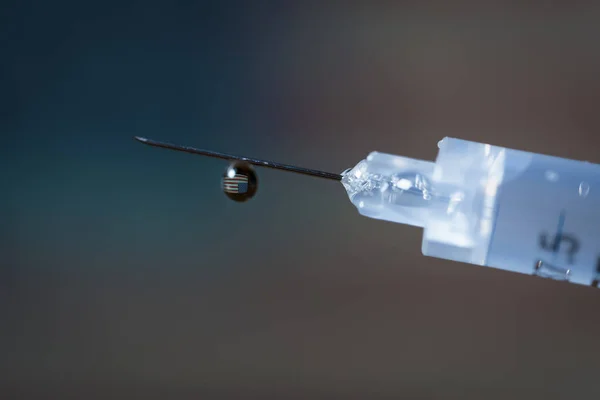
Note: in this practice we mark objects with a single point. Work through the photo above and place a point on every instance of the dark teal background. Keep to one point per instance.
(126, 271)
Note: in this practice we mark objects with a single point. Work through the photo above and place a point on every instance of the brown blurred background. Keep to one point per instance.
(127, 272)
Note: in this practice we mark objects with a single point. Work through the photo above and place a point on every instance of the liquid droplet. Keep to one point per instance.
(584, 189)
(239, 182)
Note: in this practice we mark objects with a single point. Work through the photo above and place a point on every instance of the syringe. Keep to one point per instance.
(479, 204)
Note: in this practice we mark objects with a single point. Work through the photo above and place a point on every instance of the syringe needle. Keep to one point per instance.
(253, 161)
(473, 203)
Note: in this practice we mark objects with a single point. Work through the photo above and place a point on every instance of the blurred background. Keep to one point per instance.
(126, 271)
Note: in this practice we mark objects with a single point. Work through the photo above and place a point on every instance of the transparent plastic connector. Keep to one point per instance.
(453, 199)
(391, 188)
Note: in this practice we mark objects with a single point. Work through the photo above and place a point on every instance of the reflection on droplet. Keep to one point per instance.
(584, 189)
(551, 176)
(440, 143)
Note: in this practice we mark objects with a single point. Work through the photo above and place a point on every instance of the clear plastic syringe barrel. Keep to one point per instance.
(491, 206)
